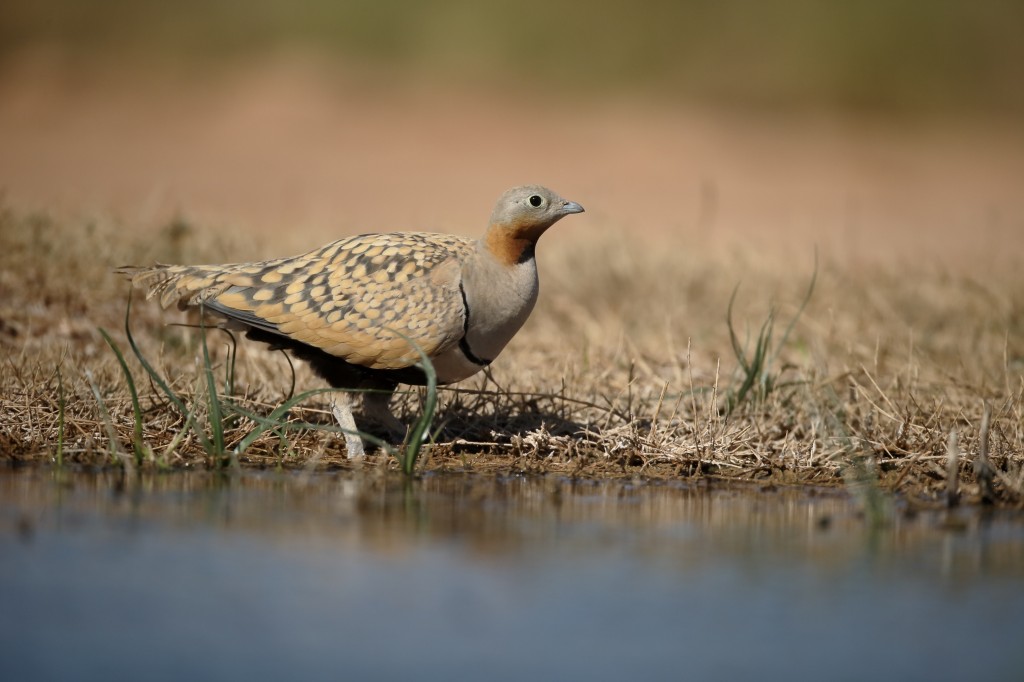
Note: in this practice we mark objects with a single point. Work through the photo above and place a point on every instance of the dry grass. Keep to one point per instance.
(626, 369)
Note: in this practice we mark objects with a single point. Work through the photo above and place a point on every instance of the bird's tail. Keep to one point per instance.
(184, 285)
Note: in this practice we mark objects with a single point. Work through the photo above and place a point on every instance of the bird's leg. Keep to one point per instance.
(376, 407)
(341, 406)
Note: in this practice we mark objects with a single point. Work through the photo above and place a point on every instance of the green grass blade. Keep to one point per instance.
(159, 380)
(108, 424)
(756, 370)
(137, 444)
(415, 441)
(176, 441)
(213, 400)
(737, 349)
(759, 367)
(752, 368)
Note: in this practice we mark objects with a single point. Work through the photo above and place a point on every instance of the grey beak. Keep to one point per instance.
(571, 207)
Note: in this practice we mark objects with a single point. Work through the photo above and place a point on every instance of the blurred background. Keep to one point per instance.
(703, 118)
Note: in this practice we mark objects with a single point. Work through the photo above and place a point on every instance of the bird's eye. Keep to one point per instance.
(536, 200)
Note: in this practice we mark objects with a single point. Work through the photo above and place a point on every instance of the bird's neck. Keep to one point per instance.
(509, 246)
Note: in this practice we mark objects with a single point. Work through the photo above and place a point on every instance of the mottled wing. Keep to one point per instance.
(354, 298)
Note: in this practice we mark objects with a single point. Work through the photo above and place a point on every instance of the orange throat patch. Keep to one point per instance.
(508, 249)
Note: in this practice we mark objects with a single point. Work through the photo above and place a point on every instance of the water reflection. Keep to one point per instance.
(490, 517)
(504, 575)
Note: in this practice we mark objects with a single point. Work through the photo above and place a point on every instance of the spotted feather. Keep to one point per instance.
(355, 298)
(359, 309)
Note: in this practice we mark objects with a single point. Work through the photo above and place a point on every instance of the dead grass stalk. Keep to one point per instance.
(876, 375)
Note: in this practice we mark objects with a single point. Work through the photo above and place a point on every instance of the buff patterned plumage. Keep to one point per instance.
(354, 298)
(360, 309)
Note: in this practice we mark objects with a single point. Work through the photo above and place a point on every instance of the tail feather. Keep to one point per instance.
(174, 284)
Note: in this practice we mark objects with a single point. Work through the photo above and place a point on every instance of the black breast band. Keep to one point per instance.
(464, 341)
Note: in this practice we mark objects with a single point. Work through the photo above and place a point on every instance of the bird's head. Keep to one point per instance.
(520, 217)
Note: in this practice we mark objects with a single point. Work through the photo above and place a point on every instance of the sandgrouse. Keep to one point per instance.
(351, 308)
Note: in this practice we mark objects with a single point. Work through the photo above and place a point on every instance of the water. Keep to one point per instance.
(260, 576)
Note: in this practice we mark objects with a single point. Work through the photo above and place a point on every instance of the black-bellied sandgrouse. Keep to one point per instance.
(352, 307)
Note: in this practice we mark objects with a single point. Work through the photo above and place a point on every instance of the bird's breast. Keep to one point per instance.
(499, 299)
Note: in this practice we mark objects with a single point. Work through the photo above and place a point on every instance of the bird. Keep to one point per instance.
(360, 309)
